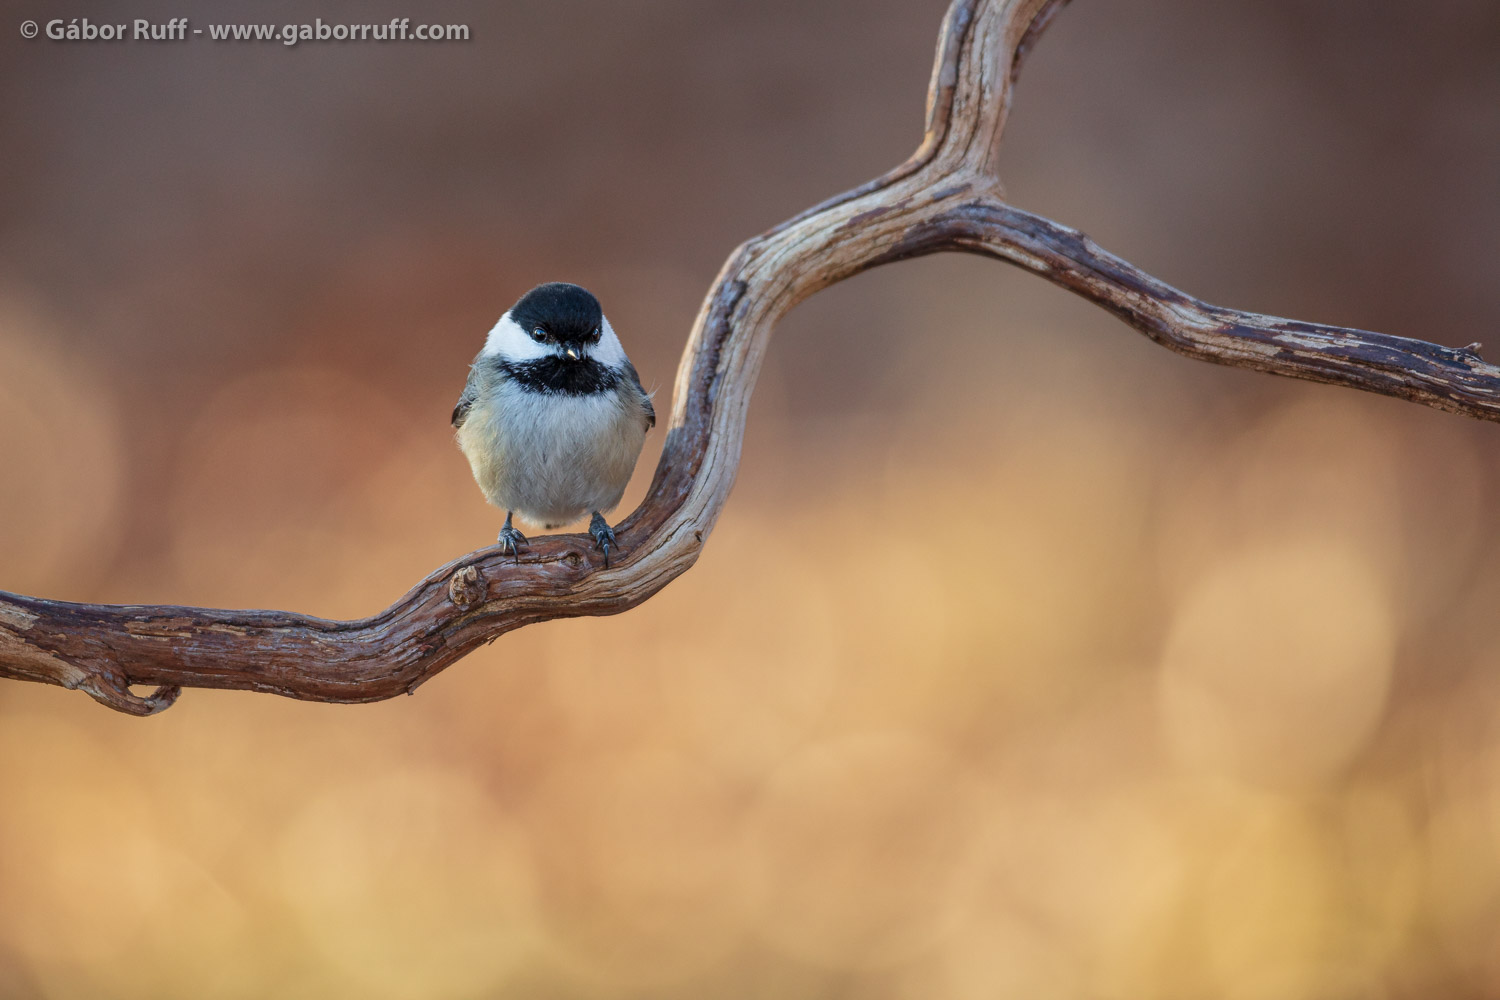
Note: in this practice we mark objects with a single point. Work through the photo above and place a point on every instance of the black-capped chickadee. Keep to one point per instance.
(553, 416)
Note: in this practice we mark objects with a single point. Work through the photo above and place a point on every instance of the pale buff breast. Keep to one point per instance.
(553, 459)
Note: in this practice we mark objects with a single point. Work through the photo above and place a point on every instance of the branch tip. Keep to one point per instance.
(108, 689)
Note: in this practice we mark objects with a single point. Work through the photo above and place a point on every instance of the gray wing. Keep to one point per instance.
(470, 393)
(645, 398)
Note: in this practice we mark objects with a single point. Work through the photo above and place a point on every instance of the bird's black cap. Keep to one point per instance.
(567, 313)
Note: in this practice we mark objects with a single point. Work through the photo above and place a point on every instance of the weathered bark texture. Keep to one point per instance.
(946, 197)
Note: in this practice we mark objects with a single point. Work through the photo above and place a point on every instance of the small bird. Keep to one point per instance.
(553, 416)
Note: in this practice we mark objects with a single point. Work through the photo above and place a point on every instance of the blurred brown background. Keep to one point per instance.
(1027, 660)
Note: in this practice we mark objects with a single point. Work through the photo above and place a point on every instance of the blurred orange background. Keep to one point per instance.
(1028, 659)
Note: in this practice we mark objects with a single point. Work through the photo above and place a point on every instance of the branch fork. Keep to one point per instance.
(946, 197)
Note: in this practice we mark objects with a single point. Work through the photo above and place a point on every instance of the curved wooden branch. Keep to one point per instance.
(946, 197)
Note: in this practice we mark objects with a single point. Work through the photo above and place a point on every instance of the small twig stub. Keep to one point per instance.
(466, 587)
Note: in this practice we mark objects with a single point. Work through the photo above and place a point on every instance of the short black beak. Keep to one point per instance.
(573, 351)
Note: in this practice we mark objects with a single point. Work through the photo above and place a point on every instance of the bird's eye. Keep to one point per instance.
(538, 334)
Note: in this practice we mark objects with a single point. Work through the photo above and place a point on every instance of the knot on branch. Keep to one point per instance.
(466, 587)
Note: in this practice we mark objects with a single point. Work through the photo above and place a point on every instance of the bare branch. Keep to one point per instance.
(1448, 378)
(947, 197)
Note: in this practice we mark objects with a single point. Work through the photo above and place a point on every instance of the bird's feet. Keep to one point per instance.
(511, 539)
(604, 536)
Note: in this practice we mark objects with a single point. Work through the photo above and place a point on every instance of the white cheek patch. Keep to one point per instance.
(609, 350)
(508, 341)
